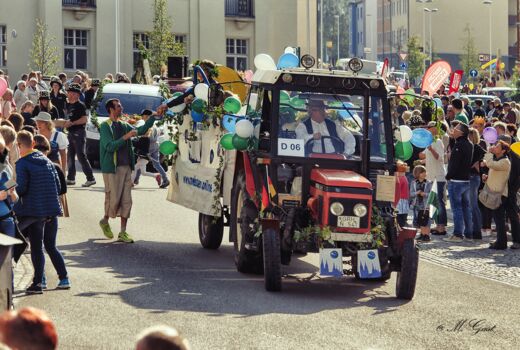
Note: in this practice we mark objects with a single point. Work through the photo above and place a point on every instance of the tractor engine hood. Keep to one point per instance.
(339, 178)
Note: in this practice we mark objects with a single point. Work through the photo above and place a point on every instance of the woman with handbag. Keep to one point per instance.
(494, 194)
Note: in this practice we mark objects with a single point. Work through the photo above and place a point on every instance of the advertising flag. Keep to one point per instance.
(435, 76)
(456, 78)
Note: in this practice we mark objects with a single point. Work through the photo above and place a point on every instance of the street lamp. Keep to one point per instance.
(337, 26)
(321, 33)
(430, 12)
(489, 2)
(424, 29)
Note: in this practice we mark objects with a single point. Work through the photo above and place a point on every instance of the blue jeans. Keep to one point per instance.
(49, 241)
(154, 158)
(7, 227)
(459, 193)
(474, 183)
(33, 227)
(442, 218)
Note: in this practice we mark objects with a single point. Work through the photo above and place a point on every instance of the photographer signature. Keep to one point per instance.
(472, 325)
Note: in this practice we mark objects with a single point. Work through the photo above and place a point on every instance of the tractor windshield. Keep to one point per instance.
(320, 124)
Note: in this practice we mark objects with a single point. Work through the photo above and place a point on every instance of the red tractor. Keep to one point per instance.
(323, 139)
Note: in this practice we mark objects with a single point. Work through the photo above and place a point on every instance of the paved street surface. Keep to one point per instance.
(166, 277)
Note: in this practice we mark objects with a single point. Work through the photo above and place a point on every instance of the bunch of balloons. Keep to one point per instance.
(240, 134)
(406, 139)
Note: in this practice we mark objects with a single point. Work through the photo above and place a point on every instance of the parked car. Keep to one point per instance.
(503, 92)
(484, 98)
(134, 98)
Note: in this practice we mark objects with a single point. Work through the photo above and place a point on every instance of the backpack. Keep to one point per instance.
(54, 154)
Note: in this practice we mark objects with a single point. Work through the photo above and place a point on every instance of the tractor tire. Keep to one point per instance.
(407, 277)
(211, 231)
(242, 216)
(272, 260)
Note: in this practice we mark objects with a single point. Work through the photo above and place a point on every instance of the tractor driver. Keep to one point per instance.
(336, 138)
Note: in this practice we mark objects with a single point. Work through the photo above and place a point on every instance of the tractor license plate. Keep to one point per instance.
(348, 221)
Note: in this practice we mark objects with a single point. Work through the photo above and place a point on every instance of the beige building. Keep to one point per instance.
(98, 36)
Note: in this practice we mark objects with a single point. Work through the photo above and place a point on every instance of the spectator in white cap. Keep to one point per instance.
(58, 141)
(32, 90)
(20, 95)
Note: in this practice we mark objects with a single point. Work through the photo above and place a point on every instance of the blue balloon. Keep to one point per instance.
(438, 102)
(421, 138)
(197, 117)
(229, 122)
(288, 60)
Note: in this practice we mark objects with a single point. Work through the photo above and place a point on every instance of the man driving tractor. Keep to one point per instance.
(322, 135)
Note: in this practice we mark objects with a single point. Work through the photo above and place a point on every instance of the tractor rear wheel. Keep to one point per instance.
(407, 277)
(243, 220)
(211, 231)
(272, 260)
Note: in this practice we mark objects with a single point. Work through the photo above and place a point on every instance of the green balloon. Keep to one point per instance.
(198, 105)
(240, 143)
(232, 105)
(167, 148)
(297, 102)
(403, 150)
(226, 142)
(284, 96)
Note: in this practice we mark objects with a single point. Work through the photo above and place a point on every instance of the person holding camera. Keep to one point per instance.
(117, 162)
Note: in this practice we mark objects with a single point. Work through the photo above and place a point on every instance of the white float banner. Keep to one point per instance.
(331, 262)
(291, 147)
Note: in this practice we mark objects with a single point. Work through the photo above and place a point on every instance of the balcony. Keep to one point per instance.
(240, 8)
(79, 4)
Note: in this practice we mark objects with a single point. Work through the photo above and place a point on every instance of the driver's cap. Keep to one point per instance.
(316, 103)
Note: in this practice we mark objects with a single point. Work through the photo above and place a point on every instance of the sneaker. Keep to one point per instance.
(125, 237)
(158, 179)
(89, 183)
(44, 282)
(34, 289)
(424, 238)
(107, 231)
(495, 246)
(165, 184)
(64, 284)
(486, 233)
(71, 182)
(454, 239)
(438, 233)
(515, 246)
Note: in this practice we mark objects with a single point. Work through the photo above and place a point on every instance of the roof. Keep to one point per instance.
(271, 76)
(131, 89)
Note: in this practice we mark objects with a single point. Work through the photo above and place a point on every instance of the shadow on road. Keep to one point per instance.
(184, 277)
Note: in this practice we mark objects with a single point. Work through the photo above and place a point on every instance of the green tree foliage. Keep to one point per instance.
(415, 58)
(330, 28)
(161, 38)
(44, 54)
(469, 58)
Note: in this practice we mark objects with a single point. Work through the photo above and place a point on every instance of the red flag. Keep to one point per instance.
(435, 76)
(456, 78)
(384, 70)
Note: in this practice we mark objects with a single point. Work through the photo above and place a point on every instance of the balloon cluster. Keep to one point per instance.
(406, 139)
(3, 86)
(240, 130)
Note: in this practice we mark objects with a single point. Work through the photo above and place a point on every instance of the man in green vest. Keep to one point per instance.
(117, 162)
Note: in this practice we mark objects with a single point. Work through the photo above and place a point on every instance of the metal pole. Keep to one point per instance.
(431, 54)
(309, 26)
(337, 20)
(490, 41)
(321, 32)
(117, 36)
(424, 37)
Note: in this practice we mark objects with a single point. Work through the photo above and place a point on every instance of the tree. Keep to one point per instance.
(44, 54)
(415, 58)
(161, 38)
(330, 28)
(469, 58)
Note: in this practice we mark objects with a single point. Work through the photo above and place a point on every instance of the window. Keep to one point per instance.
(76, 48)
(3, 46)
(236, 54)
(136, 41)
(183, 40)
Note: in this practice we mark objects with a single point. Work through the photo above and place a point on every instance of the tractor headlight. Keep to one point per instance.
(336, 208)
(360, 210)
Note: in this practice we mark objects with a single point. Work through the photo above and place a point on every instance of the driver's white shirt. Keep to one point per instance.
(343, 133)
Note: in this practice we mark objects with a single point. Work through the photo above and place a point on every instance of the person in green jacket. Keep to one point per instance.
(117, 162)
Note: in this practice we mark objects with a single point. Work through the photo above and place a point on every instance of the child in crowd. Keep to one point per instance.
(402, 194)
(419, 190)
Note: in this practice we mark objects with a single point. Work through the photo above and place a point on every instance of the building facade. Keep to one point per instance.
(99, 36)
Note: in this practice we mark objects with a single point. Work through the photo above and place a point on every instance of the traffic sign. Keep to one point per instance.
(483, 57)
(473, 73)
(403, 56)
(403, 65)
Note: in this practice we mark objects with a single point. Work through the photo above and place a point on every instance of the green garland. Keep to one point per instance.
(95, 104)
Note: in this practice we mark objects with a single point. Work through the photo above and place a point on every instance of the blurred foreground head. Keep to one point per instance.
(161, 338)
(28, 329)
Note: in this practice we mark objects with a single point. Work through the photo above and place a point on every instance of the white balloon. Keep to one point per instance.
(201, 91)
(404, 133)
(244, 128)
(264, 62)
(289, 49)
(178, 108)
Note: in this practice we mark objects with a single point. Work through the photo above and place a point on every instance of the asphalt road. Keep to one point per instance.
(167, 278)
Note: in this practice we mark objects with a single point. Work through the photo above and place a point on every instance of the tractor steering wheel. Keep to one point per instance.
(339, 145)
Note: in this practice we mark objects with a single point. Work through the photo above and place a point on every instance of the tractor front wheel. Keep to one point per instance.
(407, 277)
(272, 260)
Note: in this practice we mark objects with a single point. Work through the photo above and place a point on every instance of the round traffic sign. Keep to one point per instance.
(473, 73)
